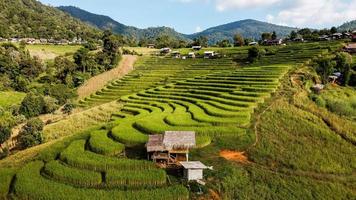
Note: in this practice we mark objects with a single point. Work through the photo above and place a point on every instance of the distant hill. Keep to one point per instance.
(348, 26)
(30, 18)
(247, 28)
(105, 22)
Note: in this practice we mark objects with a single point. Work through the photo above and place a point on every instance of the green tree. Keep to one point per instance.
(266, 36)
(333, 30)
(224, 43)
(80, 59)
(255, 53)
(343, 65)
(325, 67)
(32, 105)
(293, 35)
(238, 40)
(5, 133)
(65, 67)
(60, 92)
(200, 41)
(31, 133)
(274, 35)
(68, 108)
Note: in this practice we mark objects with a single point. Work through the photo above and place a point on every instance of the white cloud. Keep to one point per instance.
(315, 13)
(198, 29)
(222, 5)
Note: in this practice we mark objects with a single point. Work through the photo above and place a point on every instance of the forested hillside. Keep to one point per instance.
(105, 22)
(348, 26)
(247, 28)
(30, 18)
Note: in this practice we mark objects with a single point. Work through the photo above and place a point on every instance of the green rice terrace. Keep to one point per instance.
(230, 105)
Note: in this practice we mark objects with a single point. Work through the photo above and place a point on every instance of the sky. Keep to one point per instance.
(190, 16)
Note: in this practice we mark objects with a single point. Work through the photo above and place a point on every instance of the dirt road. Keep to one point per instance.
(98, 82)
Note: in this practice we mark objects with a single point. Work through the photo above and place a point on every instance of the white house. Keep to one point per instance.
(196, 48)
(209, 54)
(193, 170)
(165, 50)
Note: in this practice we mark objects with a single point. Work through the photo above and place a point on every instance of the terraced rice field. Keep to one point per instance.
(214, 98)
(152, 71)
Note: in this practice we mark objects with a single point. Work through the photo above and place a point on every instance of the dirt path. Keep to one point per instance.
(98, 82)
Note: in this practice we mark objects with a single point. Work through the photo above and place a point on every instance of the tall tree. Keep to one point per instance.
(266, 36)
(274, 35)
(238, 40)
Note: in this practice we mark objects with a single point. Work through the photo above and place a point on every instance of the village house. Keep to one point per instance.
(274, 42)
(350, 48)
(324, 38)
(151, 46)
(165, 50)
(196, 48)
(209, 54)
(170, 148)
(175, 54)
(337, 36)
(43, 41)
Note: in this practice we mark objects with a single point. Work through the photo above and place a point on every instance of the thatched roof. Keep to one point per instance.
(171, 140)
(179, 139)
(155, 143)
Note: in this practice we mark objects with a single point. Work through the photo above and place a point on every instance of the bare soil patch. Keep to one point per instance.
(235, 156)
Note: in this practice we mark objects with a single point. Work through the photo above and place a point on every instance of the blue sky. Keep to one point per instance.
(189, 16)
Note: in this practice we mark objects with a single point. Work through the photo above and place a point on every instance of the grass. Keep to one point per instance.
(49, 52)
(341, 101)
(101, 144)
(8, 99)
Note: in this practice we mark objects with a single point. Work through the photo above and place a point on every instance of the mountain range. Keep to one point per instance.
(248, 28)
(30, 18)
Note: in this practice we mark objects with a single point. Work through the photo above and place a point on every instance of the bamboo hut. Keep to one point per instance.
(170, 148)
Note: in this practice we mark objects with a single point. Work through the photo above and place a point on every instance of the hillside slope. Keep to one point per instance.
(348, 26)
(30, 18)
(247, 28)
(105, 22)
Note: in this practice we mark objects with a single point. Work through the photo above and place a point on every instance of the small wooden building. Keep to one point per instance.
(175, 54)
(151, 46)
(193, 170)
(170, 148)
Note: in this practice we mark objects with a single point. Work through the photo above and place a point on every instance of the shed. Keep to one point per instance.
(151, 46)
(175, 54)
(209, 54)
(171, 147)
(193, 170)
